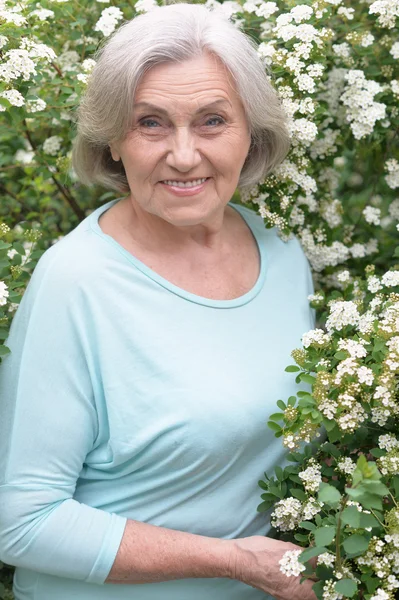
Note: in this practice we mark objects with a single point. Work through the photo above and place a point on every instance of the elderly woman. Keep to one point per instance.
(150, 346)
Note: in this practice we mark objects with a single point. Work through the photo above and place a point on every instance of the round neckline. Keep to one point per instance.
(231, 303)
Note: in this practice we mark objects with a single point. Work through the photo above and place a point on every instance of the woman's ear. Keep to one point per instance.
(114, 153)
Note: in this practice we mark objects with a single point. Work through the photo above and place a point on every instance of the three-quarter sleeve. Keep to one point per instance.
(48, 424)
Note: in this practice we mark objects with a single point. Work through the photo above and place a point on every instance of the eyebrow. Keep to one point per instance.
(162, 111)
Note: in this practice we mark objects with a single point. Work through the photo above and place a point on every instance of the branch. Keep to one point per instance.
(63, 189)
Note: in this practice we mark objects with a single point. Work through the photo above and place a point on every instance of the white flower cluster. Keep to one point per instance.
(342, 313)
(362, 111)
(42, 14)
(390, 279)
(52, 145)
(311, 477)
(388, 442)
(346, 466)
(260, 8)
(4, 293)
(290, 565)
(287, 514)
(392, 179)
(372, 215)
(315, 337)
(387, 10)
(326, 559)
(354, 348)
(108, 21)
(143, 6)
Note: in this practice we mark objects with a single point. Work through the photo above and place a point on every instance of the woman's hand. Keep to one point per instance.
(255, 561)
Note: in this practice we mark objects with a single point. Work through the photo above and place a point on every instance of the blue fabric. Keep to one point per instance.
(127, 397)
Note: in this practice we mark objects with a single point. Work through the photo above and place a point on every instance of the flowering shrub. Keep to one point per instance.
(335, 66)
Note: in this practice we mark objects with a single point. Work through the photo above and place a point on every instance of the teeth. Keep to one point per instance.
(187, 184)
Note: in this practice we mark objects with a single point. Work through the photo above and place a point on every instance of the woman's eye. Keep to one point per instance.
(217, 118)
(143, 121)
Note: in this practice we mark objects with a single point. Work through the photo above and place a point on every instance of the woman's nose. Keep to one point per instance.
(183, 154)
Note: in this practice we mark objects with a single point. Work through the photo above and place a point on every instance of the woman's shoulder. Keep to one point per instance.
(76, 258)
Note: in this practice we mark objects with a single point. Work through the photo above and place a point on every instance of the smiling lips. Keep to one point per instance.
(189, 188)
(186, 184)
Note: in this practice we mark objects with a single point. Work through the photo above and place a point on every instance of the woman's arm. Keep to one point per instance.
(152, 554)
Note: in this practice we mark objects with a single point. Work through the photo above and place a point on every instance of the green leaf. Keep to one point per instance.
(274, 426)
(307, 378)
(307, 525)
(300, 537)
(355, 544)
(377, 452)
(279, 473)
(4, 350)
(281, 405)
(395, 481)
(276, 417)
(340, 355)
(329, 494)
(292, 369)
(324, 536)
(311, 553)
(4, 245)
(318, 589)
(291, 401)
(368, 520)
(351, 516)
(264, 506)
(329, 425)
(346, 587)
(299, 494)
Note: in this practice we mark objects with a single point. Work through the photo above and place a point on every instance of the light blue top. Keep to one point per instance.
(128, 397)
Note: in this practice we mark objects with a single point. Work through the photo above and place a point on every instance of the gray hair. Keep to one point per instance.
(173, 33)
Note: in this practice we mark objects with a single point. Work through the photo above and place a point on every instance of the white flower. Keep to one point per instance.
(365, 375)
(355, 349)
(315, 337)
(145, 5)
(82, 77)
(17, 64)
(12, 17)
(290, 564)
(3, 293)
(301, 12)
(3, 41)
(42, 14)
(88, 64)
(388, 442)
(395, 50)
(343, 50)
(287, 514)
(52, 145)
(346, 12)
(344, 276)
(392, 166)
(311, 477)
(372, 215)
(367, 40)
(380, 594)
(35, 105)
(390, 279)
(24, 156)
(14, 97)
(303, 130)
(37, 50)
(108, 20)
(387, 10)
(362, 111)
(347, 466)
(326, 559)
(265, 9)
(342, 313)
(373, 284)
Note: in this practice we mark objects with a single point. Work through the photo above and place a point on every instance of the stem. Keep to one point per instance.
(338, 536)
(375, 516)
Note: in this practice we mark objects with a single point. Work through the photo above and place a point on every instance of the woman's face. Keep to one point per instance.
(180, 137)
